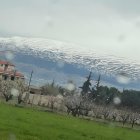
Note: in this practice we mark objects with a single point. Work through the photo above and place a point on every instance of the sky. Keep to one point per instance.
(107, 26)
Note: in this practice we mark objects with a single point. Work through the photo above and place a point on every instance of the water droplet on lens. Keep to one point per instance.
(70, 86)
(9, 55)
(49, 21)
(123, 78)
(60, 64)
(59, 96)
(14, 92)
(12, 137)
(116, 100)
(121, 38)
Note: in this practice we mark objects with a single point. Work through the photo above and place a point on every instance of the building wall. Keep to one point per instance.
(46, 100)
(9, 77)
(9, 68)
(2, 66)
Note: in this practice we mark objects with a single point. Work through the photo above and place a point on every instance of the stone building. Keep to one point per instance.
(8, 71)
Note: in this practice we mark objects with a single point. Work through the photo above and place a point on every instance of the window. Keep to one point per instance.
(5, 77)
(12, 78)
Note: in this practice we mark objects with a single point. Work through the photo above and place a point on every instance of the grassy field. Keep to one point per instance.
(29, 124)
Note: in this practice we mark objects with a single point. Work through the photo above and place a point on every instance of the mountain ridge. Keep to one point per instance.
(62, 53)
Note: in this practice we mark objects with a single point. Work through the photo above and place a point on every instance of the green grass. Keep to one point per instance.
(30, 124)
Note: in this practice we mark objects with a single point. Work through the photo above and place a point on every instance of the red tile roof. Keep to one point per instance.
(6, 62)
(18, 74)
(10, 72)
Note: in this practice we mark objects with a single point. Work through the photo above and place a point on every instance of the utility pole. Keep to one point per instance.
(30, 80)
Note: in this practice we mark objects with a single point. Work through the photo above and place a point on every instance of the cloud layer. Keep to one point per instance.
(107, 26)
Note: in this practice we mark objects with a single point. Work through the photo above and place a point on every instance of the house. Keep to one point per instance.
(8, 71)
(35, 90)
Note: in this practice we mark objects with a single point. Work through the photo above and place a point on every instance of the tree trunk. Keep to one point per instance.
(133, 124)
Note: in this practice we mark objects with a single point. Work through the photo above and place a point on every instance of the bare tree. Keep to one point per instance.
(22, 88)
(73, 104)
(114, 116)
(84, 107)
(77, 105)
(124, 116)
(105, 113)
(5, 89)
(98, 112)
(10, 88)
(51, 102)
(133, 118)
(50, 89)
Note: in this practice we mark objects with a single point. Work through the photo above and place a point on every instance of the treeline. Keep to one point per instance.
(99, 94)
(97, 101)
(105, 95)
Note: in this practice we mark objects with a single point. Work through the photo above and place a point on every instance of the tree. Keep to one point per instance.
(124, 116)
(22, 88)
(114, 115)
(73, 103)
(51, 102)
(84, 107)
(96, 90)
(10, 88)
(86, 86)
(5, 89)
(98, 112)
(131, 98)
(77, 105)
(105, 113)
(50, 89)
(133, 118)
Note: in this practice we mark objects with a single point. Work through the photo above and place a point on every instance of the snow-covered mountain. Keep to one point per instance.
(62, 61)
